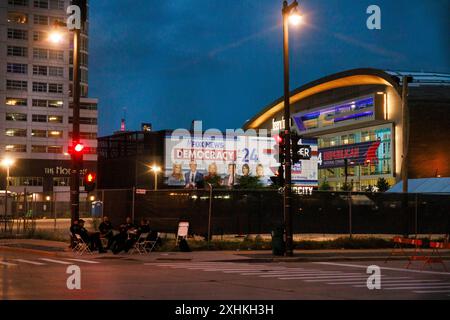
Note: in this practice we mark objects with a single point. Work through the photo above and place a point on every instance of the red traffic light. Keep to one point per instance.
(90, 181)
(90, 177)
(278, 138)
(79, 147)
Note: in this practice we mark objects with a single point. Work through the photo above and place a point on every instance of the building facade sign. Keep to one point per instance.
(356, 154)
(338, 115)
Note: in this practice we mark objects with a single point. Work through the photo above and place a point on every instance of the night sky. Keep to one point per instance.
(171, 61)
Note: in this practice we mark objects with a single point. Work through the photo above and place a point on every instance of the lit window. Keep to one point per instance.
(16, 117)
(16, 132)
(55, 134)
(18, 148)
(55, 119)
(17, 17)
(39, 133)
(22, 102)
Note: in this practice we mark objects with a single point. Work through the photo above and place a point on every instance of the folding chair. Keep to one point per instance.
(183, 230)
(399, 248)
(81, 247)
(104, 241)
(140, 244)
(149, 245)
(435, 256)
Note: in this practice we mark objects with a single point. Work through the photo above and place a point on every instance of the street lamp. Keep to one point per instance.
(155, 169)
(290, 15)
(294, 17)
(56, 37)
(7, 163)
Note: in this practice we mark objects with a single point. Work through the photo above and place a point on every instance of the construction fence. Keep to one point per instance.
(242, 212)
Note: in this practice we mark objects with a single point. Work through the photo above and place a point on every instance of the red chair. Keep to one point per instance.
(435, 256)
(399, 249)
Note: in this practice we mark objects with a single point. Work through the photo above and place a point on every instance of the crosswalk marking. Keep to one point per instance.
(432, 291)
(383, 282)
(353, 278)
(292, 272)
(334, 279)
(330, 277)
(436, 286)
(405, 283)
(291, 275)
(230, 270)
(382, 268)
(85, 261)
(45, 261)
(54, 261)
(30, 262)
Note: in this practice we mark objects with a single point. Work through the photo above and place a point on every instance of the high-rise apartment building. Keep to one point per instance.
(35, 96)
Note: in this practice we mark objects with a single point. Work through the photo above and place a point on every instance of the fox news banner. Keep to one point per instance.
(242, 155)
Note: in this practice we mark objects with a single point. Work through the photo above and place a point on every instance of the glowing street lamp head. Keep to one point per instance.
(295, 18)
(55, 36)
(7, 162)
(155, 168)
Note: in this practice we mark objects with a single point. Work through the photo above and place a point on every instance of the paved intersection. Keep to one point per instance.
(355, 276)
(158, 276)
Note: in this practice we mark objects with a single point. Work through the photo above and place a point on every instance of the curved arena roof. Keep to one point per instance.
(354, 77)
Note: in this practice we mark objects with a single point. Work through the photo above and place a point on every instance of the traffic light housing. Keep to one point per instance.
(295, 148)
(90, 181)
(278, 179)
(77, 148)
(280, 147)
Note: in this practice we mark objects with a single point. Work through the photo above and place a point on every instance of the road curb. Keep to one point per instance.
(32, 251)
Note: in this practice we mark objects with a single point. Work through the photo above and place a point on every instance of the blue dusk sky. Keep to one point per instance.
(171, 61)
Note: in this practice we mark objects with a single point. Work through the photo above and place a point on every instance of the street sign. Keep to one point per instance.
(141, 191)
(304, 152)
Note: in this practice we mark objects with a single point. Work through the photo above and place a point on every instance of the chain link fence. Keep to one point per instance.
(235, 212)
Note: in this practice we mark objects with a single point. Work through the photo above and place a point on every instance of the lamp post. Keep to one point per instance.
(290, 15)
(155, 169)
(76, 157)
(7, 163)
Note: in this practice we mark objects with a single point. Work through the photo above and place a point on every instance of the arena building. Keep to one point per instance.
(356, 116)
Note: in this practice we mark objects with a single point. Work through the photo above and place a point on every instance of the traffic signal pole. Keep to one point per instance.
(77, 158)
(287, 136)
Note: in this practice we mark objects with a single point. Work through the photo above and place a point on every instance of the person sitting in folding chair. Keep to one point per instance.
(118, 241)
(93, 239)
(73, 228)
(134, 234)
(106, 231)
(147, 239)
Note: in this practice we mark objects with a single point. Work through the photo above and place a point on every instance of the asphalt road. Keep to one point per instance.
(36, 277)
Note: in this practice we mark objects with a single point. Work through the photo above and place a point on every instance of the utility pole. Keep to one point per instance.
(290, 12)
(77, 160)
(287, 137)
(405, 131)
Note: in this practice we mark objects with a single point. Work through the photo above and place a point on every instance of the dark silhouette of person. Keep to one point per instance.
(92, 239)
(106, 230)
(119, 241)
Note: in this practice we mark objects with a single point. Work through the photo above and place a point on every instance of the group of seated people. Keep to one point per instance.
(121, 239)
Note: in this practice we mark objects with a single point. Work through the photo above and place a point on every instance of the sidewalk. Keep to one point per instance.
(54, 248)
